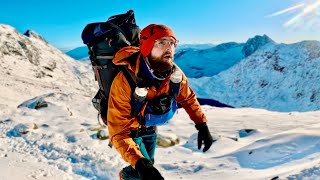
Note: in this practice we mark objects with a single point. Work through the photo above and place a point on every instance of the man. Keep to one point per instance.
(133, 134)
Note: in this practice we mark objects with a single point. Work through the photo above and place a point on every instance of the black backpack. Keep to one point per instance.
(104, 39)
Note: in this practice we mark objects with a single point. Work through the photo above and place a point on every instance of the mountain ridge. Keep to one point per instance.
(278, 77)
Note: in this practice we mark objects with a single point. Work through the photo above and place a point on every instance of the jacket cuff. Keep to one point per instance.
(201, 125)
(134, 161)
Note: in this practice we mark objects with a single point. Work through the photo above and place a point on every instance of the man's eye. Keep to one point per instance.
(162, 43)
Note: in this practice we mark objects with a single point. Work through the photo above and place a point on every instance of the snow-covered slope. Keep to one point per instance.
(61, 143)
(279, 77)
(28, 61)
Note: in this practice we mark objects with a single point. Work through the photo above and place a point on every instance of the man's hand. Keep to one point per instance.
(204, 136)
(147, 171)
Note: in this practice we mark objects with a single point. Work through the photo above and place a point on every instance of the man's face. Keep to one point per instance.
(162, 54)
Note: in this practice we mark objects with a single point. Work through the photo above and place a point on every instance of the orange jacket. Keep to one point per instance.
(120, 122)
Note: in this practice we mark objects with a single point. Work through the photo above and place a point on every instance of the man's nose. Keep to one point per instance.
(168, 50)
(168, 47)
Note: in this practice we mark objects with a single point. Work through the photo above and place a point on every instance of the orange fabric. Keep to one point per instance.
(120, 121)
(122, 54)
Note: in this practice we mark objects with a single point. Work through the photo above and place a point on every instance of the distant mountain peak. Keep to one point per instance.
(79, 53)
(225, 46)
(31, 34)
(260, 38)
(255, 43)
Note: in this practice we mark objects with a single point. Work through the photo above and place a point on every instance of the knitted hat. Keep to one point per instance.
(151, 33)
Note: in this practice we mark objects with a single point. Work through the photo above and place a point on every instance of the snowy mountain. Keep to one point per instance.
(209, 62)
(279, 77)
(28, 61)
(48, 127)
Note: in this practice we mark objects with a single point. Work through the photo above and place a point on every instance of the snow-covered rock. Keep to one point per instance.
(167, 140)
(31, 34)
(255, 43)
(36, 102)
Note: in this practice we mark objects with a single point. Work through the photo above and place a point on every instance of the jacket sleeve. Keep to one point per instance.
(189, 102)
(120, 121)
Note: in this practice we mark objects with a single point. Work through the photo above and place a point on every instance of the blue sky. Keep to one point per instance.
(194, 21)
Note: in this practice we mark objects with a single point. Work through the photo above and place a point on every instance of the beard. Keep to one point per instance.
(161, 63)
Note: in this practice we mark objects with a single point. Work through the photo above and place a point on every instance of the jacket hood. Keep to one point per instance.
(121, 58)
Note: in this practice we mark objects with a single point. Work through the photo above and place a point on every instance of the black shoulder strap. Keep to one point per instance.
(130, 76)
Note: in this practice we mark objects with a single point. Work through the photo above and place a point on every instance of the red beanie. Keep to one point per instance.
(151, 33)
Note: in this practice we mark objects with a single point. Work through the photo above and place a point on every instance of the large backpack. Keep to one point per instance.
(104, 39)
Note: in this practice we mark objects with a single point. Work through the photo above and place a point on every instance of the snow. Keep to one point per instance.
(64, 144)
(60, 141)
(277, 77)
